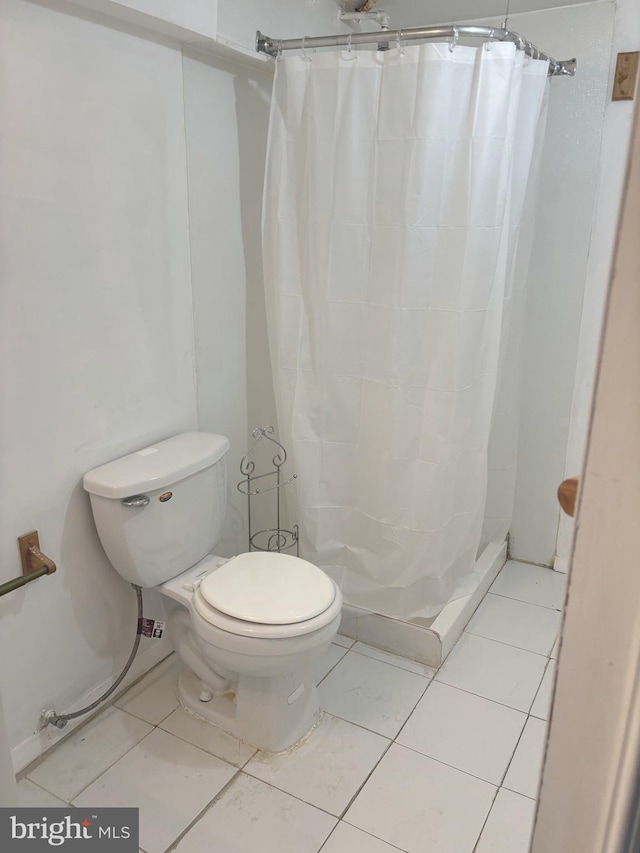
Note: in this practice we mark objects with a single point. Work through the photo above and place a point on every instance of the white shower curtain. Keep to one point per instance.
(394, 193)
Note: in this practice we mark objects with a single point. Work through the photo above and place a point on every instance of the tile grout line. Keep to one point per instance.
(486, 820)
(397, 666)
(353, 642)
(365, 832)
(389, 663)
(544, 674)
(212, 754)
(113, 702)
(522, 601)
(435, 678)
(364, 782)
(289, 794)
(314, 805)
(358, 725)
(206, 751)
(478, 696)
(44, 790)
(458, 769)
(142, 719)
(515, 749)
(336, 817)
(391, 741)
(495, 701)
(529, 563)
(102, 772)
(346, 652)
(401, 729)
(513, 756)
(203, 811)
(175, 694)
(390, 744)
(120, 757)
(509, 645)
(41, 759)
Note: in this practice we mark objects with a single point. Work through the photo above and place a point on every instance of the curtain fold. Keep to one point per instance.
(396, 191)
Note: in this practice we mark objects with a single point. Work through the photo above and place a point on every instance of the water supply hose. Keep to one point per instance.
(51, 718)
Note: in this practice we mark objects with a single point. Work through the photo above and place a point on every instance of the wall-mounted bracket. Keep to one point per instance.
(624, 84)
(31, 556)
(35, 564)
(380, 17)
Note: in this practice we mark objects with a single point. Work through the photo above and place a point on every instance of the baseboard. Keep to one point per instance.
(39, 742)
(561, 564)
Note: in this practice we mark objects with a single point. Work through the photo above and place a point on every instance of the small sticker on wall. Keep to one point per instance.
(153, 628)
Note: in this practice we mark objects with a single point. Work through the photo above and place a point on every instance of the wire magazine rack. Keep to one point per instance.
(276, 538)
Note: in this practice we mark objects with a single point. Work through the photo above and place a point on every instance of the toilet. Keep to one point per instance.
(247, 629)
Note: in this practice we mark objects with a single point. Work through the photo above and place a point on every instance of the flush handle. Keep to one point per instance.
(135, 500)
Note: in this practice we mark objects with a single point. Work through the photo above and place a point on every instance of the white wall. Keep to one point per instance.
(238, 21)
(618, 121)
(96, 329)
(226, 28)
(227, 117)
(557, 273)
(199, 16)
(126, 222)
(227, 113)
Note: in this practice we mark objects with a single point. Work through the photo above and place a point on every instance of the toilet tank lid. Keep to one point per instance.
(157, 466)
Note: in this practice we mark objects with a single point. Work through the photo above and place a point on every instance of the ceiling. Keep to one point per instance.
(415, 13)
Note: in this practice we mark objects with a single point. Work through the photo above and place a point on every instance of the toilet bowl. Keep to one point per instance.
(251, 677)
(247, 629)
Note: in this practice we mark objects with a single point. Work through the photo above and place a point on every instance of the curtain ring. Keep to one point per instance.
(351, 55)
(399, 44)
(279, 53)
(454, 39)
(303, 49)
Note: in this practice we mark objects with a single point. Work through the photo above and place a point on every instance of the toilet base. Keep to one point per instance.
(271, 714)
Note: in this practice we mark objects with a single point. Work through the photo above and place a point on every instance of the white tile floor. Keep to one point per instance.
(404, 759)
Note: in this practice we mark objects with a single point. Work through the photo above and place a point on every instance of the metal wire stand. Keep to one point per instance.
(276, 538)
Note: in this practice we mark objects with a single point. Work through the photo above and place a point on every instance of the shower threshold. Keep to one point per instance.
(427, 644)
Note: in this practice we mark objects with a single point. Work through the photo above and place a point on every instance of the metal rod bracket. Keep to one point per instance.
(31, 556)
(35, 564)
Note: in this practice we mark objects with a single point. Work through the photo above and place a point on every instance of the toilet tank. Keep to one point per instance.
(160, 510)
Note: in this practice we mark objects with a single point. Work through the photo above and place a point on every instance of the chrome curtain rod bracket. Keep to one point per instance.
(272, 47)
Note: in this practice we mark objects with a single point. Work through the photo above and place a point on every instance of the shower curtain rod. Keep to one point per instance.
(273, 47)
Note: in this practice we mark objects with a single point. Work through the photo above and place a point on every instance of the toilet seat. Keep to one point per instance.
(267, 595)
(268, 587)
